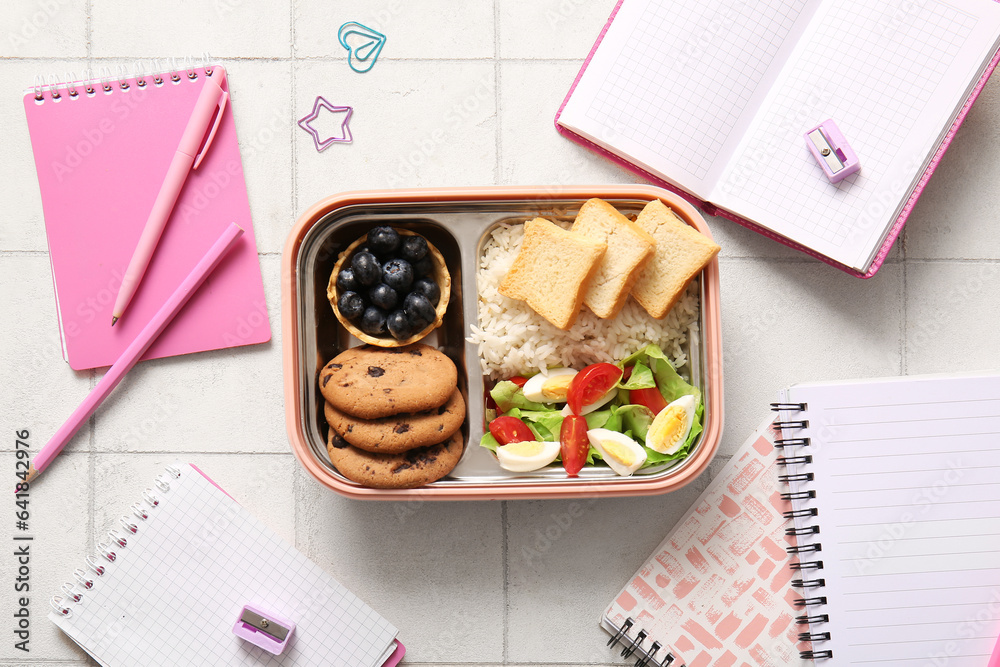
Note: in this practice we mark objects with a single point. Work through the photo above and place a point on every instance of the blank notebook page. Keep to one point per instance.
(175, 591)
(893, 80)
(672, 81)
(908, 499)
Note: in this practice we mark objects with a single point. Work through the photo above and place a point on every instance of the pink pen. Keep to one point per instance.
(135, 350)
(194, 143)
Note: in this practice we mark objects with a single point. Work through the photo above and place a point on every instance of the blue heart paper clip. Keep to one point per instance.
(366, 53)
(306, 124)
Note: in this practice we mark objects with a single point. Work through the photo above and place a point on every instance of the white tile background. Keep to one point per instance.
(466, 583)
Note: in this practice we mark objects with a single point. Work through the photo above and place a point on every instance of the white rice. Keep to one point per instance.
(514, 340)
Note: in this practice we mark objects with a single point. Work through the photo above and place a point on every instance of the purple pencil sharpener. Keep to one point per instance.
(832, 151)
(262, 629)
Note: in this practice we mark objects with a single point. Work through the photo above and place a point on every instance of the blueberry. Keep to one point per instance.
(415, 322)
(373, 321)
(399, 325)
(423, 267)
(383, 296)
(367, 270)
(346, 282)
(428, 288)
(383, 240)
(414, 248)
(398, 274)
(416, 304)
(351, 305)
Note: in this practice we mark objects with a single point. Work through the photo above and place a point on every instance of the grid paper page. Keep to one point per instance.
(175, 591)
(892, 80)
(672, 80)
(908, 505)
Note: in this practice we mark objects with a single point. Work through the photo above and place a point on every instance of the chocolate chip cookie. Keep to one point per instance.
(374, 382)
(406, 470)
(402, 432)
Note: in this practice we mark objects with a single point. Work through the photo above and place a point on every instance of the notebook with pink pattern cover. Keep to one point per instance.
(101, 151)
(711, 100)
(717, 591)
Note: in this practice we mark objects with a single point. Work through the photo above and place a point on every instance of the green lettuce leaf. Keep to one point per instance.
(546, 424)
(636, 419)
(670, 384)
(509, 396)
(641, 378)
(489, 442)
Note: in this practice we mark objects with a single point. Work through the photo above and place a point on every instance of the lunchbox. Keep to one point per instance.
(458, 221)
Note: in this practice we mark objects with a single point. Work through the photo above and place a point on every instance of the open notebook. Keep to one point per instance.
(712, 99)
(901, 474)
(169, 585)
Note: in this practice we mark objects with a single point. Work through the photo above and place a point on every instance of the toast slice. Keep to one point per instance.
(681, 252)
(629, 248)
(552, 270)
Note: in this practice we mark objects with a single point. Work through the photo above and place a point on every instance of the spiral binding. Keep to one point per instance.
(103, 80)
(645, 657)
(794, 445)
(75, 592)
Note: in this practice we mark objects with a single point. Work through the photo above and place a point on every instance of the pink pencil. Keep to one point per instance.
(134, 351)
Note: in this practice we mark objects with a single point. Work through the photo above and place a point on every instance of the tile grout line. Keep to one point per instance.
(497, 178)
(497, 102)
(296, 477)
(505, 554)
(89, 30)
(902, 337)
(902, 351)
(291, 103)
(276, 59)
(91, 493)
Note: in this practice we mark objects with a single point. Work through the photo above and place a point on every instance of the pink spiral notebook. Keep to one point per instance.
(711, 101)
(101, 151)
(717, 591)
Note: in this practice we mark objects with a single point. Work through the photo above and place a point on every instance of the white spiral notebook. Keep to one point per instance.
(171, 580)
(897, 515)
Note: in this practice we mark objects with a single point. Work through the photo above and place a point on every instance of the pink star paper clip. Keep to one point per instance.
(322, 145)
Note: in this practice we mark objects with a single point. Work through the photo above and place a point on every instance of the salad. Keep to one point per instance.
(630, 415)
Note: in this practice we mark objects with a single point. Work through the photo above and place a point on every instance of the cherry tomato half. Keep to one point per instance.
(627, 374)
(519, 381)
(510, 429)
(651, 398)
(574, 444)
(591, 384)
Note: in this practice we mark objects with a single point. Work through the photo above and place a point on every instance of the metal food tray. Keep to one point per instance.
(459, 222)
